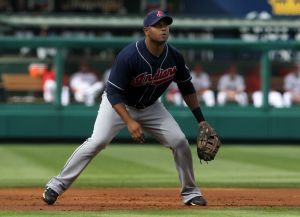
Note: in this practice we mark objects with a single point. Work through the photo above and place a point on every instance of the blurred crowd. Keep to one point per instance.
(83, 86)
(234, 87)
(86, 85)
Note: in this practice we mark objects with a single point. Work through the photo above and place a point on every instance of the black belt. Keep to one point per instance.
(137, 106)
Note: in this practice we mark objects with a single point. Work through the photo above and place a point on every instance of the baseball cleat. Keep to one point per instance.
(50, 196)
(196, 201)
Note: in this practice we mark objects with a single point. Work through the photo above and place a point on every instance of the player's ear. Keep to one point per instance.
(146, 30)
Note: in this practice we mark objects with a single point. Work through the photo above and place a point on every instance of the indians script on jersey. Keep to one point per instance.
(161, 76)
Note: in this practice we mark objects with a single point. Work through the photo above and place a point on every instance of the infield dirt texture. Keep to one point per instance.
(100, 199)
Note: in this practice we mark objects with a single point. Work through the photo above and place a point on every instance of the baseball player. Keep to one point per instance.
(49, 87)
(140, 74)
(201, 82)
(231, 87)
(292, 87)
(174, 96)
(254, 89)
(85, 85)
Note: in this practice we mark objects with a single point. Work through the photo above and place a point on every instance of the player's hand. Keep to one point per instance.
(136, 131)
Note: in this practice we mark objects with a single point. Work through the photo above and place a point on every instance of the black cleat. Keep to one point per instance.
(196, 201)
(50, 196)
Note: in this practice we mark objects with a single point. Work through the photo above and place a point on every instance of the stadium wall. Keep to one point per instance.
(76, 122)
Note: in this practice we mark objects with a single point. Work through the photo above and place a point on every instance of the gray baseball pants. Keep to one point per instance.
(155, 120)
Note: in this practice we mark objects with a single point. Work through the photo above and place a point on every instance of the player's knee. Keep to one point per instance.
(179, 141)
(96, 145)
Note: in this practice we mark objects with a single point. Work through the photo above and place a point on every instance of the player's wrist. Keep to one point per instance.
(198, 114)
(202, 124)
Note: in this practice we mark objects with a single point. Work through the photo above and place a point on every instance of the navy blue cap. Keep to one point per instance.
(155, 16)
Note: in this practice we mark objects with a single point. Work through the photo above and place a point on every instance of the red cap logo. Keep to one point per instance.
(159, 13)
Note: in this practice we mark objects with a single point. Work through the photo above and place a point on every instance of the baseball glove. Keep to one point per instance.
(208, 143)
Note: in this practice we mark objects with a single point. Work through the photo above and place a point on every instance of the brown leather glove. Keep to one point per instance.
(208, 142)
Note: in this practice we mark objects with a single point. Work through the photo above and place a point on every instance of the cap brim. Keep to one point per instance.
(168, 20)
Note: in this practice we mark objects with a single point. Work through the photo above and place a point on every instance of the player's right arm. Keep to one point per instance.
(134, 128)
(117, 83)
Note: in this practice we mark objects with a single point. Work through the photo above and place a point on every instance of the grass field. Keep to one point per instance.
(262, 212)
(152, 166)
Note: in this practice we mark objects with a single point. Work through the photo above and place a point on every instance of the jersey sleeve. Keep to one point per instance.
(206, 81)
(288, 83)
(241, 84)
(222, 84)
(118, 80)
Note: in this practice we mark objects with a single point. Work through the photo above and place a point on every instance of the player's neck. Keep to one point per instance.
(155, 48)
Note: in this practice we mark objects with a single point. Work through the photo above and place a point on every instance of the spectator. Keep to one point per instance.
(24, 34)
(202, 83)
(85, 85)
(254, 88)
(231, 87)
(173, 95)
(292, 87)
(49, 87)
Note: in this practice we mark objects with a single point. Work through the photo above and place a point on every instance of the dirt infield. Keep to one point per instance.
(97, 199)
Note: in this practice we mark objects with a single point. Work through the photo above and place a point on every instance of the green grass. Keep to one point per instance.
(152, 166)
(262, 212)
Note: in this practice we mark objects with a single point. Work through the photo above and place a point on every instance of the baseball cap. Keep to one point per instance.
(155, 16)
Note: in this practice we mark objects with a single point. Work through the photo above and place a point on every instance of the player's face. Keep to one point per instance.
(159, 32)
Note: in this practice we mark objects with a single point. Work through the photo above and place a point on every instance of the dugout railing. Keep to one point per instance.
(233, 123)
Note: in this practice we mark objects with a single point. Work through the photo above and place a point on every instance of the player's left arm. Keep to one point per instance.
(208, 141)
(189, 96)
(187, 89)
(191, 100)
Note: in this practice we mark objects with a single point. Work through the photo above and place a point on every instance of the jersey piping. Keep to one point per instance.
(137, 48)
(115, 85)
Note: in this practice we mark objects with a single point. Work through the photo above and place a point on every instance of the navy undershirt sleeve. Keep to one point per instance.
(186, 88)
